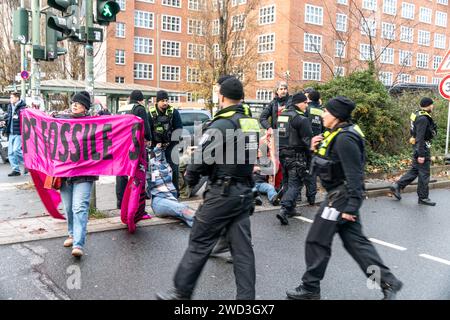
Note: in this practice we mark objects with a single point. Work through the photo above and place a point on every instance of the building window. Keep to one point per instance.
(120, 30)
(238, 48)
(174, 99)
(120, 56)
(266, 43)
(148, 1)
(390, 7)
(405, 58)
(216, 4)
(216, 27)
(122, 4)
(313, 15)
(267, 15)
(408, 10)
(436, 81)
(238, 23)
(421, 79)
(441, 19)
(444, 2)
(170, 48)
(385, 78)
(425, 15)
(339, 72)
(342, 2)
(143, 71)
(143, 45)
(436, 62)
(406, 34)
(170, 73)
(311, 71)
(366, 52)
(264, 95)
(171, 23)
(216, 51)
(312, 43)
(387, 55)
(440, 41)
(404, 78)
(370, 5)
(265, 71)
(196, 51)
(388, 31)
(195, 27)
(422, 61)
(423, 38)
(143, 19)
(171, 3)
(339, 49)
(197, 5)
(193, 75)
(368, 27)
(341, 22)
(119, 80)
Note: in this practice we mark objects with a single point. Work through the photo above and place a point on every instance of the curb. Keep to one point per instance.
(411, 188)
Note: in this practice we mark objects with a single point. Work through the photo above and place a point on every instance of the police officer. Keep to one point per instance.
(423, 130)
(269, 115)
(164, 120)
(228, 199)
(339, 161)
(136, 107)
(295, 134)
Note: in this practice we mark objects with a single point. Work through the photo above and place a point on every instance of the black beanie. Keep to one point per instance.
(426, 102)
(298, 98)
(84, 98)
(222, 79)
(232, 89)
(341, 107)
(162, 95)
(136, 95)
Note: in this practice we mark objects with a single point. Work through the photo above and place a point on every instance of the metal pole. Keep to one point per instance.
(22, 62)
(36, 41)
(157, 47)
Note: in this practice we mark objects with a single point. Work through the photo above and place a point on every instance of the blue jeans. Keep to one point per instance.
(163, 207)
(266, 188)
(15, 156)
(76, 198)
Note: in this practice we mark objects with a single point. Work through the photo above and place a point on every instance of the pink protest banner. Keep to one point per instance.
(87, 146)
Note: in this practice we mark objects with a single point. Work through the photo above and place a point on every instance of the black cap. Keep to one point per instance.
(223, 78)
(232, 89)
(425, 102)
(341, 107)
(162, 95)
(84, 98)
(136, 95)
(298, 98)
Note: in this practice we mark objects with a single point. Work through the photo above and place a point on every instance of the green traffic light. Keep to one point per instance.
(107, 11)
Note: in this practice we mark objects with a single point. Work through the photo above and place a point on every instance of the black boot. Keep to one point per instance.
(427, 202)
(395, 189)
(390, 291)
(282, 216)
(311, 201)
(300, 293)
(14, 174)
(172, 294)
(258, 201)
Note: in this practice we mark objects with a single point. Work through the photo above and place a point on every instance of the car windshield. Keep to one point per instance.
(189, 118)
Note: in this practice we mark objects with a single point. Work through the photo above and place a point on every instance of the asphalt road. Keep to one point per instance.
(123, 266)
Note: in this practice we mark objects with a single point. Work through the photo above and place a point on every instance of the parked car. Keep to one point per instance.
(191, 117)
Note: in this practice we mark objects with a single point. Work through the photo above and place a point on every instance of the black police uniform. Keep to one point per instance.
(339, 163)
(269, 115)
(423, 130)
(138, 110)
(228, 203)
(295, 134)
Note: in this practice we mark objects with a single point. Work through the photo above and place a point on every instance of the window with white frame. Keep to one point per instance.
(445, 2)
(171, 3)
(408, 10)
(339, 71)
(406, 34)
(143, 19)
(264, 94)
(170, 48)
(423, 38)
(342, 2)
(436, 81)
(436, 62)
(238, 2)
(267, 15)
(216, 51)
(366, 52)
(148, 1)
(313, 15)
(174, 99)
(312, 43)
(265, 71)
(170, 73)
(122, 4)
(341, 22)
(370, 5)
(191, 97)
(238, 23)
(197, 5)
(238, 73)
(441, 19)
(368, 27)
(312, 71)
(404, 78)
(171, 23)
(215, 27)
(216, 4)
(120, 56)
(422, 60)
(440, 41)
(143, 45)
(193, 75)
(386, 78)
(238, 48)
(425, 15)
(405, 58)
(388, 31)
(119, 80)
(195, 27)
(143, 71)
(390, 7)
(387, 55)
(120, 30)
(339, 51)
(421, 79)
(266, 43)
(196, 51)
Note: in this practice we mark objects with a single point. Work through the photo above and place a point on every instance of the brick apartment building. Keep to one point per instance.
(295, 40)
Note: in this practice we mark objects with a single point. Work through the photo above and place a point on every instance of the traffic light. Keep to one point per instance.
(69, 23)
(107, 11)
(52, 51)
(20, 26)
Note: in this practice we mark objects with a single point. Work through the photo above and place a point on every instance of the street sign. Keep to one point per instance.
(25, 75)
(444, 67)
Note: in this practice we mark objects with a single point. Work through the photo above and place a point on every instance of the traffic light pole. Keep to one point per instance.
(23, 64)
(36, 41)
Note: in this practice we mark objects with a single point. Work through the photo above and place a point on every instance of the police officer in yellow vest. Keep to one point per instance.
(339, 162)
(228, 199)
(294, 131)
(423, 130)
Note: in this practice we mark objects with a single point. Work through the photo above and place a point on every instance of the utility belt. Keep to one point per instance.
(293, 153)
(228, 181)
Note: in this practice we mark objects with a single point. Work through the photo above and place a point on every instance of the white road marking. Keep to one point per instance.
(427, 256)
(387, 244)
(304, 219)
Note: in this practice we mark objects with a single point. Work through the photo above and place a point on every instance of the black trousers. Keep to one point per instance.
(293, 169)
(418, 170)
(175, 169)
(318, 250)
(220, 212)
(121, 184)
(310, 182)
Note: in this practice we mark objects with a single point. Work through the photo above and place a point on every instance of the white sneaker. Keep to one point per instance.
(68, 242)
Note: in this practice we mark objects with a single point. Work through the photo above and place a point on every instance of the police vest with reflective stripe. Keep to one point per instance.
(315, 118)
(162, 124)
(431, 131)
(288, 135)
